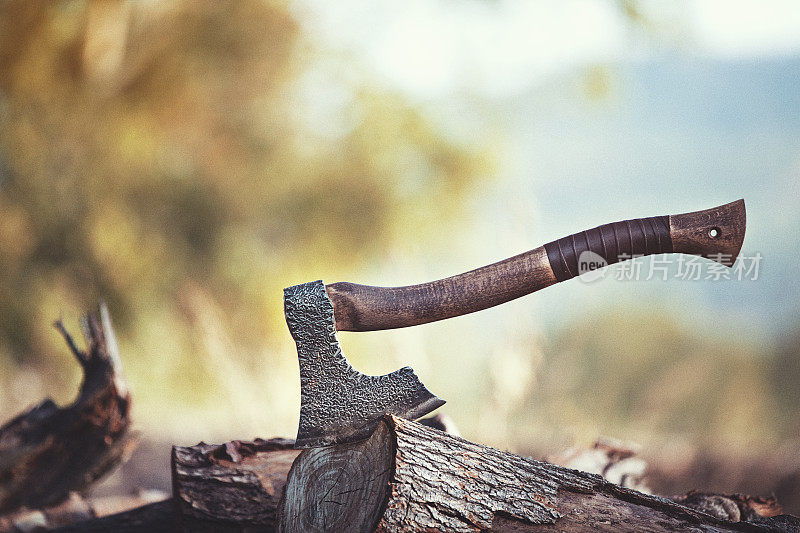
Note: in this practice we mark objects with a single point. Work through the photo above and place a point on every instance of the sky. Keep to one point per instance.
(432, 48)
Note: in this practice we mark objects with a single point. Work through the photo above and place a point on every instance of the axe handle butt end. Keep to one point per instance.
(716, 233)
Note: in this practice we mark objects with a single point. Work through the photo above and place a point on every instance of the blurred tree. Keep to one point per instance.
(642, 376)
(154, 151)
(784, 371)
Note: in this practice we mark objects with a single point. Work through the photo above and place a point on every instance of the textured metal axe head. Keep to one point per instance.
(338, 403)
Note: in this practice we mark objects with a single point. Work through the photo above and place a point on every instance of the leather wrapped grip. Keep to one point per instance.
(612, 242)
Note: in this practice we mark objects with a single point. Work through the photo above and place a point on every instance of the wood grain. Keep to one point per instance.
(440, 482)
(713, 233)
(339, 488)
(233, 487)
(367, 308)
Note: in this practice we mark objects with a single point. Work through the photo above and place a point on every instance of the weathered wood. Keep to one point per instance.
(73, 509)
(156, 517)
(78, 510)
(413, 478)
(49, 451)
(735, 507)
(715, 233)
(340, 491)
(235, 487)
(231, 487)
(617, 462)
(367, 308)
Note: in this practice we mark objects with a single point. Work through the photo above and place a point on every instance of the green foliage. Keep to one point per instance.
(639, 375)
(182, 158)
(784, 373)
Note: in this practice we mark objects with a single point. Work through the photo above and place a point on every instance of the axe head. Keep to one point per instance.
(338, 403)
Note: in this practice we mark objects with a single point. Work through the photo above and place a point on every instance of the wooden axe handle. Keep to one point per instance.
(716, 234)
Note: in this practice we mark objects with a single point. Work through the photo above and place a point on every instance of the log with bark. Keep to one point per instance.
(232, 487)
(48, 452)
(237, 486)
(157, 517)
(76, 513)
(408, 477)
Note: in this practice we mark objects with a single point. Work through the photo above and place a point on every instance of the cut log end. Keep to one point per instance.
(340, 488)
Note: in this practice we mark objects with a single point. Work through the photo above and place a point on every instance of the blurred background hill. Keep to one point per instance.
(186, 161)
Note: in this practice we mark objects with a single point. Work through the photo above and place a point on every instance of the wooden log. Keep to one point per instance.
(408, 477)
(734, 507)
(615, 461)
(79, 512)
(237, 486)
(158, 517)
(48, 452)
(232, 487)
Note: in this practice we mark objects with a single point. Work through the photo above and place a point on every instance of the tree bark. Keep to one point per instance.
(77, 513)
(158, 517)
(407, 477)
(233, 487)
(48, 452)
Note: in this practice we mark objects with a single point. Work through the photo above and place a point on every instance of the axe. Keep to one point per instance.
(340, 404)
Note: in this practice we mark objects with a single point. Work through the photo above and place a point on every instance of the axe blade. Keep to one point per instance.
(338, 403)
